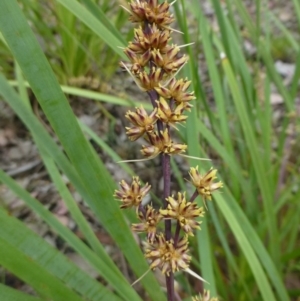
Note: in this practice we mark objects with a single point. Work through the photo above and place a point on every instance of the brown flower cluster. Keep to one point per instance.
(154, 63)
(184, 212)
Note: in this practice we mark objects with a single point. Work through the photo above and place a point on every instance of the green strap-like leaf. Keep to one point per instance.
(10, 294)
(100, 15)
(261, 174)
(101, 29)
(50, 260)
(78, 92)
(240, 235)
(32, 273)
(117, 281)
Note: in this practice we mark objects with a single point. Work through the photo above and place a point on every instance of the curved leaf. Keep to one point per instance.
(100, 28)
(50, 260)
(43, 282)
(9, 294)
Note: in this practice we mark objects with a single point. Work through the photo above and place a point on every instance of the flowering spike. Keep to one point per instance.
(183, 211)
(167, 257)
(131, 195)
(169, 116)
(143, 123)
(162, 143)
(149, 222)
(204, 184)
(176, 90)
(154, 63)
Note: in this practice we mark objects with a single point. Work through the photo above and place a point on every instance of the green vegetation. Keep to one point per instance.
(249, 242)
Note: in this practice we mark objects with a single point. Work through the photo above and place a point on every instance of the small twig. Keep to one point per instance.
(23, 168)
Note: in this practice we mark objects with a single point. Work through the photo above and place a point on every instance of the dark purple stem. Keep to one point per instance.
(153, 96)
(167, 190)
(177, 232)
(165, 159)
(194, 196)
(142, 209)
(168, 231)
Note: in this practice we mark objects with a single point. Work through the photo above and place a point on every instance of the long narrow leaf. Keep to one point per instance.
(94, 24)
(44, 283)
(251, 143)
(236, 227)
(9, 294)
(97, 96)
(51, 260)
(101, 266)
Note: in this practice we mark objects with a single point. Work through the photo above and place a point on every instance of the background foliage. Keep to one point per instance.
(248, 248)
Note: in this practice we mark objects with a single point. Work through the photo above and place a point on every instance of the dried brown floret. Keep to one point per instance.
(143, 123)
(167, 257)
(149, 222)
(205, 184)
(185, 212)
(131, 195)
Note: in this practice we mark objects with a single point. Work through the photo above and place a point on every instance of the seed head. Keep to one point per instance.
(162, 144)
(176, 90)
(168, 115)
(138, 61)
(204, 184)
(149, 222)
(185, 212)
(153, 38)
(170, 62)
(150, 12)
(131, 195)
(148, 81)
(142, 122)
(167, 257)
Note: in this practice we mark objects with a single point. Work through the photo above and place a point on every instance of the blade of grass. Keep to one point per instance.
(115, 157)
(194, 74)
(9, 294)
(44, 283)
(252, 147)
(224, 134)
(255, 241)
(97, 96)
(66, 195)
(101, 265)
(297, 10)
(203, 238)
(72, 206)
(95, 25)
(21, 85)
(237, 58)
(231, 162)
(64, 192)
(292, 41)
(296, 77)
(30, 244)
(264, 51)
(100, 15)
(226, 248)
(257, 270)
